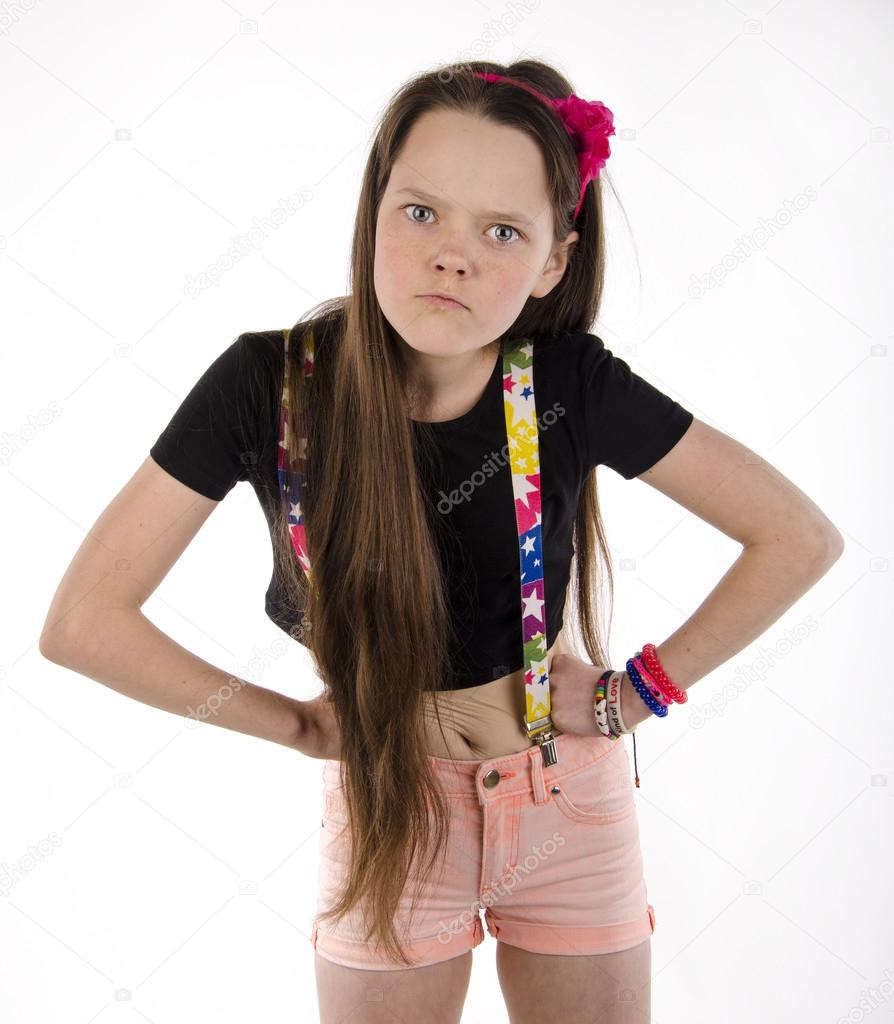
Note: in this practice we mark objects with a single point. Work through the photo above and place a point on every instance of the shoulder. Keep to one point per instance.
(258, 366)
(570, 349)
(264, 348)
(240, 391)
(259, 362)
(570, 359)
(252, 353)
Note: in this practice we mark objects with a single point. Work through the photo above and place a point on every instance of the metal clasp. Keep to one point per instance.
(548, 748)
(544, 739)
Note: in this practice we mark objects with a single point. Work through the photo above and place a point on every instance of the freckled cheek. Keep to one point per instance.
(397, 261)
(388, 268)
(509, 285)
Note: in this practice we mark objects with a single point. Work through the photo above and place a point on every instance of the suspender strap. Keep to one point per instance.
(520, 411)
(288, 476)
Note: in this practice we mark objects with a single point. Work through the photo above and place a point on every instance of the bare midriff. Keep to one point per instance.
(483, 721)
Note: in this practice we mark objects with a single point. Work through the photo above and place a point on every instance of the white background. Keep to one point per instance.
(140, 139)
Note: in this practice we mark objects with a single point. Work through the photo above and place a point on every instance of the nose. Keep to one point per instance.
(450, 257)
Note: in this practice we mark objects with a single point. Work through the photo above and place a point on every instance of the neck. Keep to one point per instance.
(446, 387)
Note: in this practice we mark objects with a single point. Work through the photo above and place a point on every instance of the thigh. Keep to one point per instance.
(604, 988)
(434, 993)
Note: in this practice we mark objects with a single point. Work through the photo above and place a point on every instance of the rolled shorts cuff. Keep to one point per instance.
(571, 940)
(434, 950)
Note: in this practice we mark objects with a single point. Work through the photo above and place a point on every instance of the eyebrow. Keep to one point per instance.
(492, 213)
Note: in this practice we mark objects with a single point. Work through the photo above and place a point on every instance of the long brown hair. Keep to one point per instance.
(377, 615)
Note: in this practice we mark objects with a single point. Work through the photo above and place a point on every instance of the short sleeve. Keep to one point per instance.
(211, 442)
(630, 424)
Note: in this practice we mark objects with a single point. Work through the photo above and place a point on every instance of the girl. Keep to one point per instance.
(424, 450)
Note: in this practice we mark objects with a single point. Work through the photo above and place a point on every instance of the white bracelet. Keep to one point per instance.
(613, 703)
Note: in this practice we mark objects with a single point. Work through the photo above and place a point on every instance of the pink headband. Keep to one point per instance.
(588, 122)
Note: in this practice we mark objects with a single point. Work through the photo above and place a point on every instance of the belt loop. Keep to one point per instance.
(538, 786)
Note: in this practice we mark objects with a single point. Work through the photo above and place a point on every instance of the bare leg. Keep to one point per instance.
(435, 993)
(609, 988)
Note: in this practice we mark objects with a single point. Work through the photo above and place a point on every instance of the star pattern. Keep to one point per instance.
(287, 477)
(524, 457)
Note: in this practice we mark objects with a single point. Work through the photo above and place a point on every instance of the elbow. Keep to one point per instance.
(836, 547)
(823, 550)
(814, 551)
(829, 543)
(53, 642)
(50, 647)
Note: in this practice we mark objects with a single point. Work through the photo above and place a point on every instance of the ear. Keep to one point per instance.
(552, 273)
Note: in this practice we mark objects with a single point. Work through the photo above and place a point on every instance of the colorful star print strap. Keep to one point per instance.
(524, 458)
(288, 475)
(524, 461)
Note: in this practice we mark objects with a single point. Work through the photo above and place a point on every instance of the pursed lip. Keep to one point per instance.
(444, 295)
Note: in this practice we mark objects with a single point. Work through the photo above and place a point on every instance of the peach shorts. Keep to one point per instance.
(551, 855)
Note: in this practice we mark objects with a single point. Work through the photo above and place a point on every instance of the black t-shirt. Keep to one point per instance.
(592, 409)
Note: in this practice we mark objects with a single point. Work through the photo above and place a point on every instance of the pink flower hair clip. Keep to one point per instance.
(588, 122)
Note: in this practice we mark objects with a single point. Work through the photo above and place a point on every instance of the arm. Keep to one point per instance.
(124, 650)
(788, 545)
(95, 626)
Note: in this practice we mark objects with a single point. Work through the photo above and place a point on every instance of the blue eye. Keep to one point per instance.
(499, 241)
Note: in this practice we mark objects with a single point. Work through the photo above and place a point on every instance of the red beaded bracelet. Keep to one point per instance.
(649, 657)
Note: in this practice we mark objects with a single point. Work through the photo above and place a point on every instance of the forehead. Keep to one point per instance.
(473, 162)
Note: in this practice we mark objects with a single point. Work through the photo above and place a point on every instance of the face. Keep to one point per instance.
(482, 231)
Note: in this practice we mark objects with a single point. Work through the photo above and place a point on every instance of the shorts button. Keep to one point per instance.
(492, 778)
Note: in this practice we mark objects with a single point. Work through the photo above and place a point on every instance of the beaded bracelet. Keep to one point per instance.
(656, 706)
(649, 657)
(649, 680)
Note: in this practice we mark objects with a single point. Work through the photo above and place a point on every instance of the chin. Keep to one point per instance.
(432, 338)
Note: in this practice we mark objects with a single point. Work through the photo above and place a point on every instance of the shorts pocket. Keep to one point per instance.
(600, 793)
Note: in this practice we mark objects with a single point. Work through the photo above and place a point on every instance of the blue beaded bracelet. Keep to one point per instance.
(655, 706)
